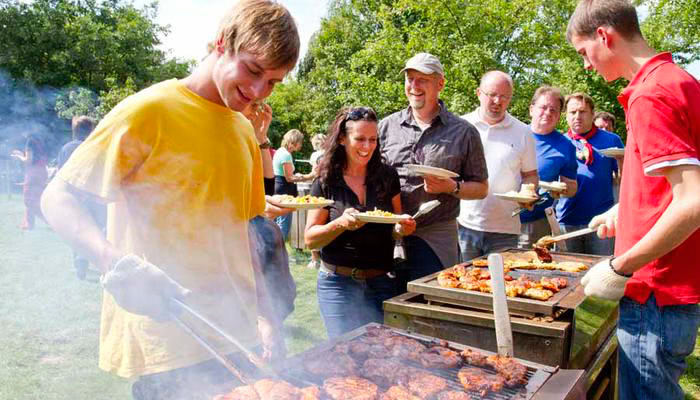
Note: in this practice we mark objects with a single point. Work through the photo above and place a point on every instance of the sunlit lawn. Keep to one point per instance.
(49, 319)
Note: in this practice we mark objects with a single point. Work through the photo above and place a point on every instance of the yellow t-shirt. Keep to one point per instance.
(183, 177)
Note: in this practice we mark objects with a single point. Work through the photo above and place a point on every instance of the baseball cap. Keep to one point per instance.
(425, 63)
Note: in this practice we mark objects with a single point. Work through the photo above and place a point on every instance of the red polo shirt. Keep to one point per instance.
(662, 108)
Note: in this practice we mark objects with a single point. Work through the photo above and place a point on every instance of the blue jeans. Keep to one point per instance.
(285, 224)
(421, 260)
(347, 304)
(588, 244)
(654, 343)
(473, 243)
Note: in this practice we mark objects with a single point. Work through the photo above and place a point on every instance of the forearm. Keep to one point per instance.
(571, 187)
(530, 177)
(268, 171)
(680, 220)
(473, 190)
(318, 236)
(73, 223)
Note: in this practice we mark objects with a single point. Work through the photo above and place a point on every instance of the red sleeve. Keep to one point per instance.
(662, 130)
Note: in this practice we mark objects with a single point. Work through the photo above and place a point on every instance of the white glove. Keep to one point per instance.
(601, 281)
(141, 288)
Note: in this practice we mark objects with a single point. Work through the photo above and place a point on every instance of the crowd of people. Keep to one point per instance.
(189, 219)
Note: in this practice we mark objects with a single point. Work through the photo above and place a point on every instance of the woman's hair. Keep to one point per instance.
(292, 137)
(317, 141)
(36, 146)
(332, 166)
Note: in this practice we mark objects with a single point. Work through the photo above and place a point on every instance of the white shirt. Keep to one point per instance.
(509, 150)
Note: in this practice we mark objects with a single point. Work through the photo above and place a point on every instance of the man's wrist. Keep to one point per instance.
(265, 144)
(455, 191)
(612, 267)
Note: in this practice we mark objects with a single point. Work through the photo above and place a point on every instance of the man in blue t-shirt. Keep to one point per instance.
(556, 160)
(594, 176)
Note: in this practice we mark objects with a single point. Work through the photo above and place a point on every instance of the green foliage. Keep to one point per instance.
(78, 101)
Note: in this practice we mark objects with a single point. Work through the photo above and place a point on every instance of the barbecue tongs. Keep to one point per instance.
(178, 307)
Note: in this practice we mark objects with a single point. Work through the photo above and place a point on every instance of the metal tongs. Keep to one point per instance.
(545, 241)
(177, 307)
(426, 207)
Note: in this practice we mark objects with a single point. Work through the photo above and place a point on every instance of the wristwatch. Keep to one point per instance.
(266, 144)
(456, 190)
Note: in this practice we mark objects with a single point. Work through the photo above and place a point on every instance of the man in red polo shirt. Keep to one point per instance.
(656, 266)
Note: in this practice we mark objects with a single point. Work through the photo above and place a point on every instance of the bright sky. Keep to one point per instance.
(193, 22)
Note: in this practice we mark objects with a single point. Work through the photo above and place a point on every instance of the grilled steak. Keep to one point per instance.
(403, 347)
(512, 371)
(333, 364)
(473, 357)
(454, 395)
(350, 388)
(240, 393)
(478, 380)
(398, 393)
(310, 393)
(269, 389)
(385, 371)
(423, 384)
(439, 357)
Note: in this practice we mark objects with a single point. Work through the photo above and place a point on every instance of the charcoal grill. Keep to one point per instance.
(538, 374)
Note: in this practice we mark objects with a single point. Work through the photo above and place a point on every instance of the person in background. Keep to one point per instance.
(656, 223)
(181, 169)
(356, 258)
(34, 159)
(487, 225)
(285, 178)
(604, 120)
(556, 161)
(317, 142)
(594, 177)
(81, 127)
(427, 133)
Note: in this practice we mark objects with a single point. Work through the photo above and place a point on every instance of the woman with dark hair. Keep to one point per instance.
(356, 258)
(35, 177)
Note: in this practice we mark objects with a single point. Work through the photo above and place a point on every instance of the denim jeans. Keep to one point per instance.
(530, 232)
(654, 343)
(588, 244)
(285, 224)
(473, 243)
(420, 261)
(346, 303)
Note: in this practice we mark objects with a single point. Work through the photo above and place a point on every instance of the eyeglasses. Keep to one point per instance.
(552, 110)
(361, 113)
(494, 96)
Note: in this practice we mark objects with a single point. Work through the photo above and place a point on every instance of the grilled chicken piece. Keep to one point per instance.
(277, 390)
(538, 294)
(403, 347)
(439, 357)
(474, 357)
(385, 371)
(480, 381)
(423, 384)
(469, 283)
(454, 395)
(350, 388)
(448, 279)
(333, 364)
(512, 371)
(460, 270)
(398, 393)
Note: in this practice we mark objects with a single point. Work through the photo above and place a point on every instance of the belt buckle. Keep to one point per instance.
(354, 274)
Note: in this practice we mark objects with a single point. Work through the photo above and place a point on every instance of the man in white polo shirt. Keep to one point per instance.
(487, 225)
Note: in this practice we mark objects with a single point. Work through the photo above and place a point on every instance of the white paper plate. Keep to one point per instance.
(428, 170)
(380, 220)
(612, 152)
(298, 206)
(516, 197)
(551, 186)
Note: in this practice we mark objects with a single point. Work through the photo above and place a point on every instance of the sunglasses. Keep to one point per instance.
(361, 113)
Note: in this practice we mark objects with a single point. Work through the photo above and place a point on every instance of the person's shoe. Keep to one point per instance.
(313, 264)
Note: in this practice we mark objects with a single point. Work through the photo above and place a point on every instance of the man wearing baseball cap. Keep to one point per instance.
(426, 133)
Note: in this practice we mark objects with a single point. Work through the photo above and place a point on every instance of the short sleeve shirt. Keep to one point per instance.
(281, 157)
(372, 245)
(662, 107)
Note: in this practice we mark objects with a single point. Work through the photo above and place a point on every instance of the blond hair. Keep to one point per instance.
(291, 138)
(317, 141)
(262, 27)
(580, 96)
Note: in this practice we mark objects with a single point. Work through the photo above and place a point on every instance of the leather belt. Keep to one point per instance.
(354, 273)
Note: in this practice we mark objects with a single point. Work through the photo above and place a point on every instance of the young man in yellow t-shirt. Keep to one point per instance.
(180, 169)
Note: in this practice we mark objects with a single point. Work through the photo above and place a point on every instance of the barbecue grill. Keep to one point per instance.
(569, 330)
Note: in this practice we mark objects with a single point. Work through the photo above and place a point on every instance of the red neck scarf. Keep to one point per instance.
(587, 155)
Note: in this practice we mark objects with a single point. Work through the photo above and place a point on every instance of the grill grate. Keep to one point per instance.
(536, 377)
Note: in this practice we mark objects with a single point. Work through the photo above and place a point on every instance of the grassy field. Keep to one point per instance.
(49, 319)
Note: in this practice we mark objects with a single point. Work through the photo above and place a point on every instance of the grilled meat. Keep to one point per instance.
(403, 347)
(480, 381)
(310, 393)
(333, 364)
(512, 371)
(474, 357)
(398, 393)
(448, 278)
(269, 389)
(542, 253)
(423, 384)
(240, 393)
(350, 388)
(538, 294)
(439, 357)
(385, 371)
(454, 395)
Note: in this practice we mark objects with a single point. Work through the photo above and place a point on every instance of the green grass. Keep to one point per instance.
(49, 320)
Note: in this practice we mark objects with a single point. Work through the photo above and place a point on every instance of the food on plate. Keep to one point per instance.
(350, 388)
(379, 213)
(306, 199)
(478, 279)
(480, 381)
